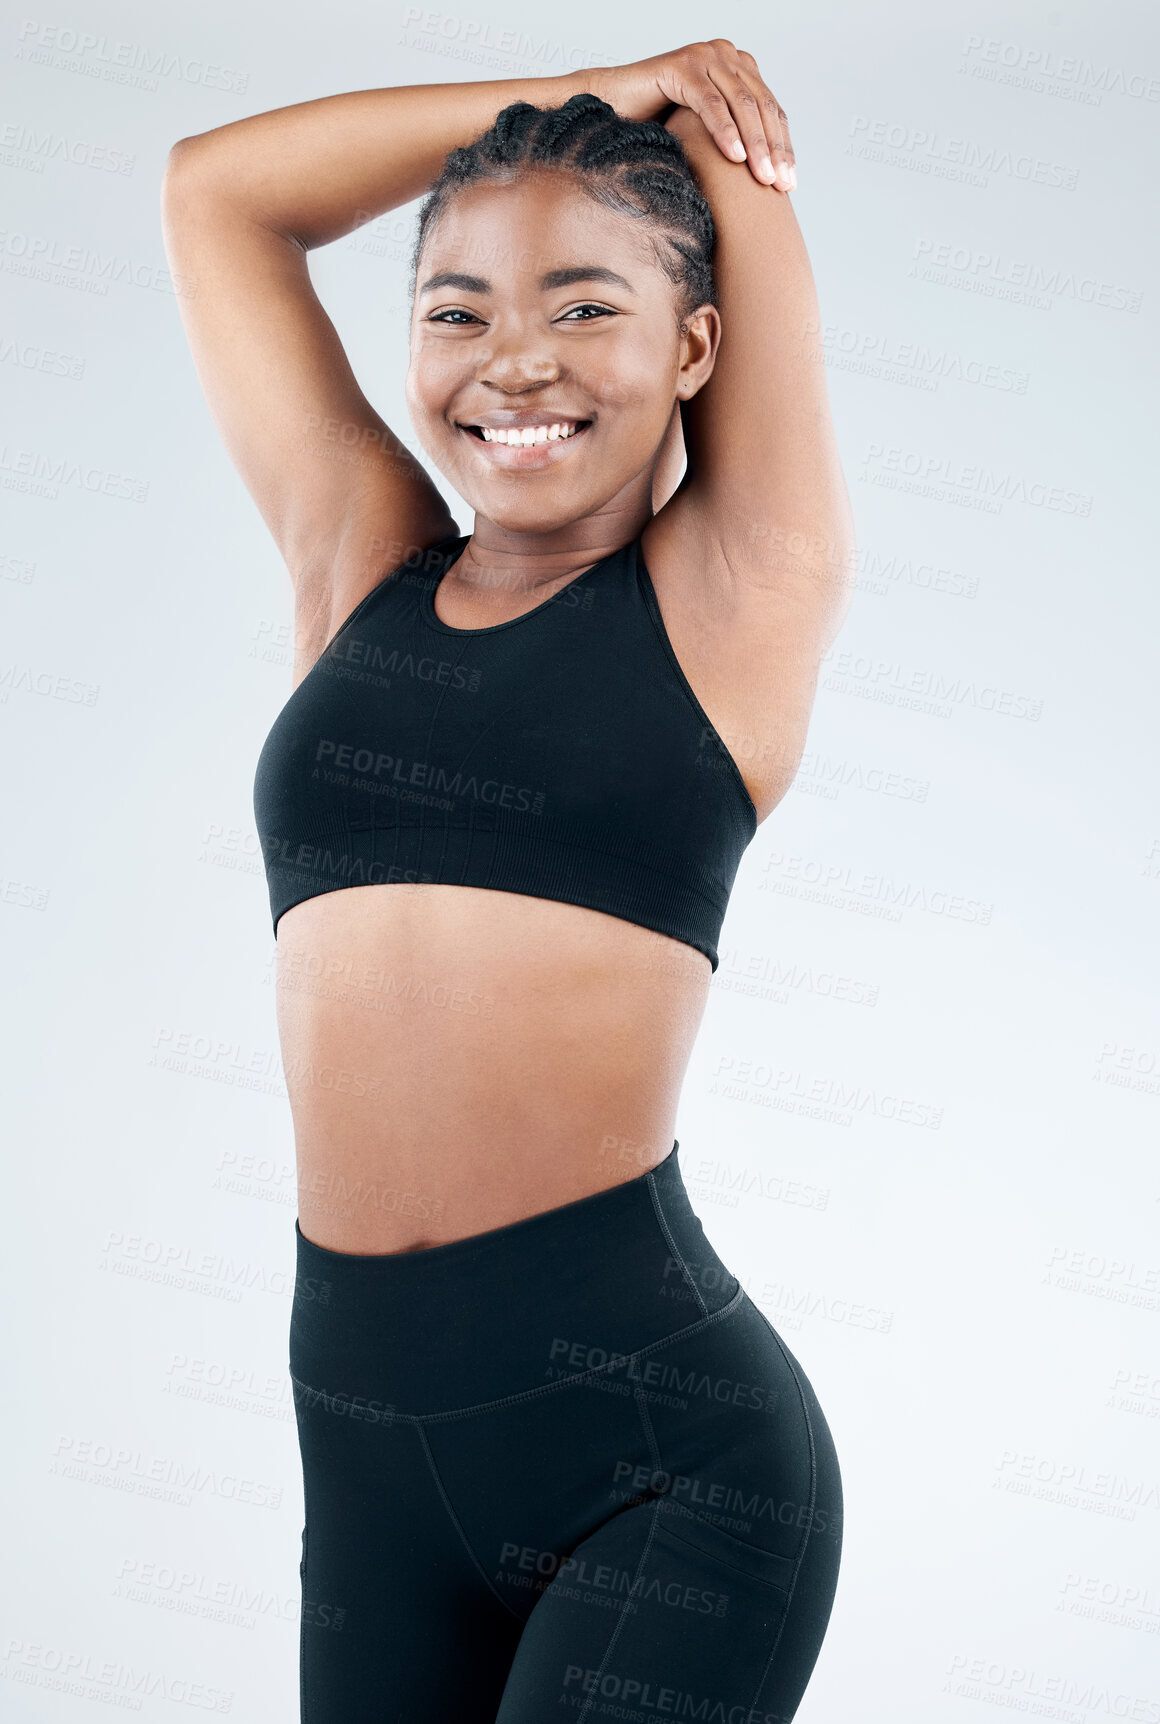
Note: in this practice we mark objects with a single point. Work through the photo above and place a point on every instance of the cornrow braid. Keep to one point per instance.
(635, 167)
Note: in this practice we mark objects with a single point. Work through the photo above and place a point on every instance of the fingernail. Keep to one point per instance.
(788, 176)
(737, 150)
(766, 168)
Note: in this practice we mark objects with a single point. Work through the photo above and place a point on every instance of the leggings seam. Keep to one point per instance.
(302, 1611)
(613, 1364)
(662, 1223)
(302, 1617)
(691, 1329)
(650, 1435)
(623, 1617)
(813, 1499)
(457, 1524)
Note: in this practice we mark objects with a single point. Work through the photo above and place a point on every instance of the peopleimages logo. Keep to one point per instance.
(948, 477)
(370, 657)
(75, 266)
(386, 771)
(341, 1405)
(24, 147)
(581, 1357)
(86, 1675)
(1048, 71)
(95, 56)
(930, 151)
(1018, 279)
(478, 39)
(883, 356)
(44, 359)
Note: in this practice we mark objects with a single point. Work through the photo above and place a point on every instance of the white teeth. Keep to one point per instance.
(523, 435)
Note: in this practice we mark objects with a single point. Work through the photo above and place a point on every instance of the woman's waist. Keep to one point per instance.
(402, 1168)
(474, 1055)
(570, 1291)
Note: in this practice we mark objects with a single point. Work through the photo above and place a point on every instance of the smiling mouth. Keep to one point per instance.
(527, 436)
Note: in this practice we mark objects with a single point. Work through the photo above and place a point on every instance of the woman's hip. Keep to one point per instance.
(582, 1362)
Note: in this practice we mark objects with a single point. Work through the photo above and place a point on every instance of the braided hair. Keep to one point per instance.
(635, 167)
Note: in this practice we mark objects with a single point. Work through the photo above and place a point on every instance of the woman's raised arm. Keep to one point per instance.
(242, 206)
(764, 482)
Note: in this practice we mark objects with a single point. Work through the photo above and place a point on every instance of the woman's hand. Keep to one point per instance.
(722, 85)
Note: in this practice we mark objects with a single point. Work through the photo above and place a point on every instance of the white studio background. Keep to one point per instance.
(921, 1117)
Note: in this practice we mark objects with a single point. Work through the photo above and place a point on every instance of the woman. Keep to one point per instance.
(556, 1463)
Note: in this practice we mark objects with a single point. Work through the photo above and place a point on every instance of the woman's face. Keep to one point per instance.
(536, 307)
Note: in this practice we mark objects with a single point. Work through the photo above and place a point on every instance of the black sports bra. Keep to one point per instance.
(561, 754)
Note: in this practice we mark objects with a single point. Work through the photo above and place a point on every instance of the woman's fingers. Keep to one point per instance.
(775, 122)
(723, 86)
(702, 95)
(758, 125)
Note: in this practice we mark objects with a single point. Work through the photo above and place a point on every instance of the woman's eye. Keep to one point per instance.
(457, 318)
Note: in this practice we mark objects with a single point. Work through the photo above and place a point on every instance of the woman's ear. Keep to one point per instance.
(700, 339)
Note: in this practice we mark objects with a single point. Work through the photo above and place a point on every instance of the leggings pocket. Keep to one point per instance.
(685, 1525)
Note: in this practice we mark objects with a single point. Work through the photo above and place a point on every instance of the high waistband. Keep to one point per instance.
(515, 1308)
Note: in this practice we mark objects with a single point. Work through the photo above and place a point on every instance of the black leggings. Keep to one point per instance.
(561, 1470)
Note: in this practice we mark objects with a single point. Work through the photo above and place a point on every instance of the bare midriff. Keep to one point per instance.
(458, 1059)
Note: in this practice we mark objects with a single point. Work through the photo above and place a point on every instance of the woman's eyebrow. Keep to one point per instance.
(465, 283)
(584, 272)
(554, 278)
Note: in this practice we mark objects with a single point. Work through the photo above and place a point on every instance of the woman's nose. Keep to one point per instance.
(517, 362)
